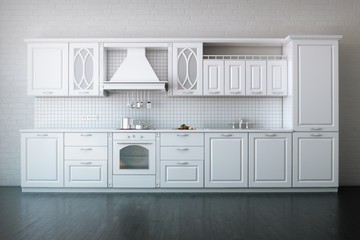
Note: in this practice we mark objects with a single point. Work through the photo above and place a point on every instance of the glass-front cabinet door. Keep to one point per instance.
(84, 69)
(187, 68)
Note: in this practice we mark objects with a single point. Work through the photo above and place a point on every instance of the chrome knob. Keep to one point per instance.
(141, 136)
(134, 136)
(128, 136)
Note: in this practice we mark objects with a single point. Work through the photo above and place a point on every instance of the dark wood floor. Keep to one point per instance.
(168, 216)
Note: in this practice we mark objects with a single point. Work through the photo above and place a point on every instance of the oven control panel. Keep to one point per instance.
(134, 136)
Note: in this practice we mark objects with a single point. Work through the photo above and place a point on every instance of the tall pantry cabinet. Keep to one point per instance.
(315, 110)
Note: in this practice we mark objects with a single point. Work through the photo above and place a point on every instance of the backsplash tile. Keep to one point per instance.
(166, 112)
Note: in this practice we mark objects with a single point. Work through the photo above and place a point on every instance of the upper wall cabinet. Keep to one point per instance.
(256, 77)
(62, 69)
(84, 69)
(316, 85)
(187, 68)
(48, 69)
(277, 77)
(213, 77)
(224, 77)
(235, 77)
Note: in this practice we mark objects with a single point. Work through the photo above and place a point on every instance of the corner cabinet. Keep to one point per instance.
(316, 159)
(226, 160)
(48, 69)
(84, 69)
(42, 160)
(270, 159)
(316, 95)
(187, 69)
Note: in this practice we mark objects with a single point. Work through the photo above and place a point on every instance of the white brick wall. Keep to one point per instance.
(21, 19)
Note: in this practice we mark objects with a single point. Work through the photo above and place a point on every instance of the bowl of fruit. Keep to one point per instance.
(185, 127)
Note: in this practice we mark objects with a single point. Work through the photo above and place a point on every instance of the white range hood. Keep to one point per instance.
(135, 73)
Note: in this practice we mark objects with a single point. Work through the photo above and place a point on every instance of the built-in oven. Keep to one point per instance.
(134, 160)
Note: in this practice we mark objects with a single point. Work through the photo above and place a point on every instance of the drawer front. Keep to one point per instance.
(182, 139)
(182, 153)
(86, 153)
(85, 174)
(182, 174)
(85, 139)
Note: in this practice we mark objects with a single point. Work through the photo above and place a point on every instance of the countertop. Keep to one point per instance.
(201, 130)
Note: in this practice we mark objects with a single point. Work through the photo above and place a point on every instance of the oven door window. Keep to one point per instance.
(134, 157)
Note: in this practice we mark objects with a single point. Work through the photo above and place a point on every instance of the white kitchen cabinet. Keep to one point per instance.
(182, 174)
(256, 77)
(270, 159)
(42, 160)
(226, 159)
(316, 159)
(48, 69)
(234, 77)
(316, 85)
(187, 68)
(86, 156)
(182, 160)
(277, 80)
(84, 69)
(213, 77)
(86, 174)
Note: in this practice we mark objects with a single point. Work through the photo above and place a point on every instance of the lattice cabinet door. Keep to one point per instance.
(187, 68)
(84, 69)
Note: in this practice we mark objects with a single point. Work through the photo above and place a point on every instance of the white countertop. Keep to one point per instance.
(153, 130)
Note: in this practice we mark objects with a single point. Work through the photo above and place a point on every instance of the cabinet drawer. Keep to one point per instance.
(85, 174)
(85, 139)
(182, 153)
(182, 174)
(182, 139)
(86, 153)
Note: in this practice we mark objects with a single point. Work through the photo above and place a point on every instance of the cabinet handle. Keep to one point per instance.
(188, 92)
(214, 92)
(270, 135)
(84, 92)
(86, 163)
(316, 135)
(42, 135)
(277, 92)
(182, 163)
(49, 92)
(236, 92)
(85, 149)
(226, 135)
(316, 129)
(257, 92)
(183, 149)
(86, 135)
(182, 135)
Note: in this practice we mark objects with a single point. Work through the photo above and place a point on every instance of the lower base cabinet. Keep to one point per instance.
(86, 174)
(270, 159)
(42, 160)
(316, 159)
(226, 160)
(182, 174)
